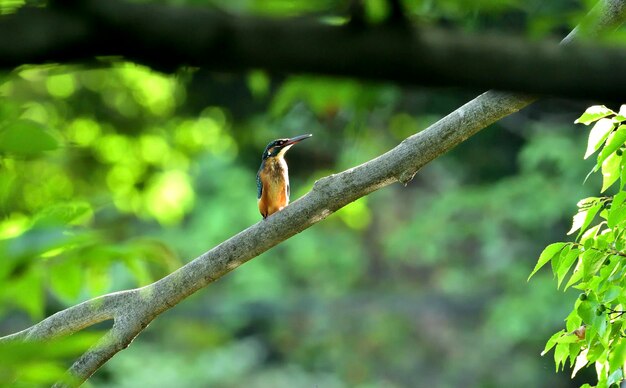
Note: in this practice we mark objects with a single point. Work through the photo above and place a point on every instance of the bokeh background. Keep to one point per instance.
(112, 177)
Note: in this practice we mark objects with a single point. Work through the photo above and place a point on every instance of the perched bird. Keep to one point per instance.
(272, 180)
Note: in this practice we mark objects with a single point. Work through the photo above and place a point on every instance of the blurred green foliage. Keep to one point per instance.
(111, 178)
(39, 363)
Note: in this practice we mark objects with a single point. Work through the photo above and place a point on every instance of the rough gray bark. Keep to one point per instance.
(167, 38)
(132, 310)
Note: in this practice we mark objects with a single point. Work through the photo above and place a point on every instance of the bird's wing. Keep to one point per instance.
(259, 186)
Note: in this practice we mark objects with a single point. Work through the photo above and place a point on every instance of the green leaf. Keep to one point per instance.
(617, 355)
(578, 220)
(598, 135)
(601, 325)
(567, 339)
(25, 137)
(556, 259)
(574, 349)
(576, 275)
(585, 215)
(548, 253)
(622, 177)
(592, 262)
(611, 170)
(616, 215)
(596, 352)
(594, 113)
(587, 239)
(591, 214)
(561, 354)
(587, 311)
(552, 341)
(573, 321)
(565, 264)
(611, 294)
(616, 140)
(587, 202)
(618, 199)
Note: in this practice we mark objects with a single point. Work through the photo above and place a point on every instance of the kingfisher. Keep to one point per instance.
(272, 180)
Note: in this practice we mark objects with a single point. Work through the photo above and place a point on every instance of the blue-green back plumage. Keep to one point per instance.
(259, 184)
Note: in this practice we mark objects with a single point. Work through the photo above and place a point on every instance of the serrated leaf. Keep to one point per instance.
(616, 140)
(611, 170)
(561, 354)
(565, 265)
(574, 349)
(552, 341)
(598, 135)
(594, 113)
(578, 220)
(548, 253)
(26, 137)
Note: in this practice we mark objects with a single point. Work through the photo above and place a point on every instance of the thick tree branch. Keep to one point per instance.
(169, 37)
(133, 310)
(75, 318)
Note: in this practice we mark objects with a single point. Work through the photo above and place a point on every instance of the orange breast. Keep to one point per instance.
(274, 196)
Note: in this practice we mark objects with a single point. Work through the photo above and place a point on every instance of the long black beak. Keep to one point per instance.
(297, 139)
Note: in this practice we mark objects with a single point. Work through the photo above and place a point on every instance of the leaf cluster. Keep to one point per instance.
(595, 332)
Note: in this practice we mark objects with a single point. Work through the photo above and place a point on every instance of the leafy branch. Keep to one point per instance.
(607, 251)
(597, 319)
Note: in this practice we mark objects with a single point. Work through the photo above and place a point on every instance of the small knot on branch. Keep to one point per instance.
(406, 177)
